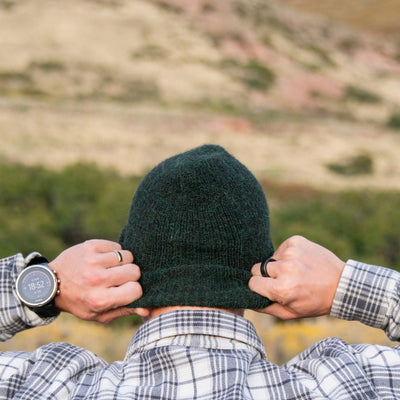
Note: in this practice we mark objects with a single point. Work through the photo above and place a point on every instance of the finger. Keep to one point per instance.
(293, 246)
(279, 311)
(120, 275)
(124, 294)
(266, 287)
(109, 316)
(270, 267)
(102, 245)
(143, 312)
(115, 258)
(287, 247)
(255, 270)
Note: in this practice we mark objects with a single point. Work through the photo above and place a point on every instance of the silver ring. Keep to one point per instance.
(119, 255)
(263, 267)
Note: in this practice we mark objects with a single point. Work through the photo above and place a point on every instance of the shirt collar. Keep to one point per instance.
(197, 328)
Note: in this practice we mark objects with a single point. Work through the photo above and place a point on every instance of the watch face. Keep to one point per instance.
(36, 285)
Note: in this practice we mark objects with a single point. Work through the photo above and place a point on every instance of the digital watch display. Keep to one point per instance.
(37, 286)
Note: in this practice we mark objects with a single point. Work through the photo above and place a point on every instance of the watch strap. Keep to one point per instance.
(38, 260)
(49, 310)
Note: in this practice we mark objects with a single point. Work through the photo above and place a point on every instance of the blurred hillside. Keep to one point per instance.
(126, 84)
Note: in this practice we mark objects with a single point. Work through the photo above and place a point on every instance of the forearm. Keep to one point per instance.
(371, 295)
(14, 316)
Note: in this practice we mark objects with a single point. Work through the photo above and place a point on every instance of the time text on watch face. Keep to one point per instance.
(36, 286)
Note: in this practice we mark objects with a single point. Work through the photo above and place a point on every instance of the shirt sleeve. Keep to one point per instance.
(14, 316)
(369, 294)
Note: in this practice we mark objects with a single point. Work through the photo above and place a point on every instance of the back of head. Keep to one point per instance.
(197, 223)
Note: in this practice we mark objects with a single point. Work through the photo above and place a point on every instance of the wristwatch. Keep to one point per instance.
(37, 286)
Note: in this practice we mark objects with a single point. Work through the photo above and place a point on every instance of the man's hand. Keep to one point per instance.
(303, 279)
(94, 284)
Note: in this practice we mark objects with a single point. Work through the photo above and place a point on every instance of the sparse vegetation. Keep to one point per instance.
(149, 52)
(321, 53)
(15, 77)
(360, 164)
(48, 65)
(8, 4)
(254, 74)
(349, 44)
(137, 90)
(258, 76)
(361, 95)
(167, 6)
(394, 121)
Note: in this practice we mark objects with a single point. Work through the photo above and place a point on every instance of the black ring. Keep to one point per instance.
(263, 267)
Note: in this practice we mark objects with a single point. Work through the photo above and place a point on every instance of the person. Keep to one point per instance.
(198, 227)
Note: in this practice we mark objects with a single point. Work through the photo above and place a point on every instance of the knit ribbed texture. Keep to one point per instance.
(197, 224)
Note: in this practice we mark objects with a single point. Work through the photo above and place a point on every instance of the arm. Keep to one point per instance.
(371, 295)
(308, 280)
(94, 286)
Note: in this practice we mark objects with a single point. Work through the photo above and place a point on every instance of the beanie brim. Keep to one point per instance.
(211, 286)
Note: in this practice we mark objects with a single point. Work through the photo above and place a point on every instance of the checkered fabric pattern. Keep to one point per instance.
(212, 355)
(14, 317)
(371, 295)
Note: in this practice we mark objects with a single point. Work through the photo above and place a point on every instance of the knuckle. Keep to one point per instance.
(136, 272)
(137, 289)
(89, 245)
(93, 278)
(252, 283)
(297, 239)
(95, 303)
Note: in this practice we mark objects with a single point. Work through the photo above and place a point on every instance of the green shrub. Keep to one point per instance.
(258, 76)
(394, 121)
(138, 90)
(362, 225)
(360, 164)
(48, 211)
(15, 77)
(254, 75)
(150, 52)
(48, 65)
(361, 95)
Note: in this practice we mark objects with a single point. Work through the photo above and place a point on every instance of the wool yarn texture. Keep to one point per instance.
(197, 223)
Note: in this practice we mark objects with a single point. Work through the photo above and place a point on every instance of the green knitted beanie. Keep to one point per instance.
(197, 224)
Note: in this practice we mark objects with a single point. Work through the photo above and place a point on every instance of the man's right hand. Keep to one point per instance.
(94, 284)
(303, 279)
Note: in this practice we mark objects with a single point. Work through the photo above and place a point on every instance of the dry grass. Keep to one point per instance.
(132, 140)
(376, 16)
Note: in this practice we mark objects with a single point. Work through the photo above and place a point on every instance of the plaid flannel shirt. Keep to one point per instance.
(211, 354)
